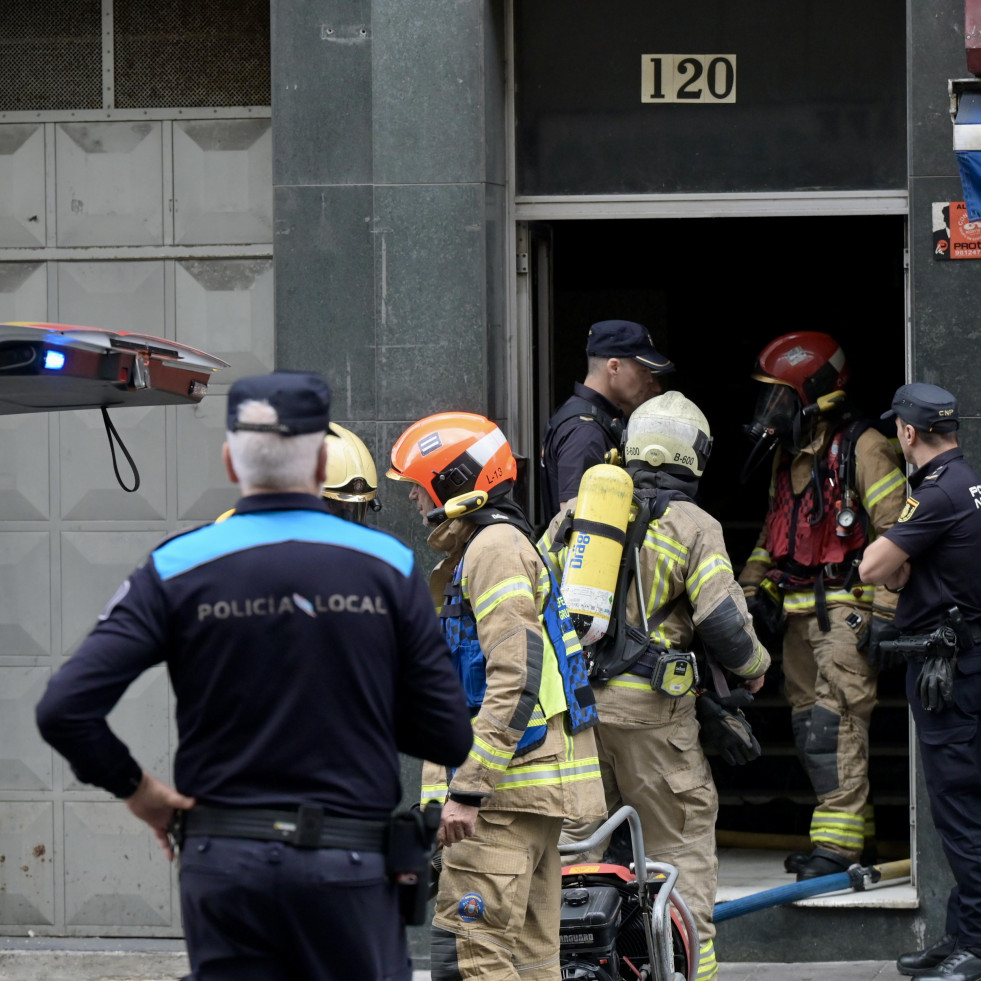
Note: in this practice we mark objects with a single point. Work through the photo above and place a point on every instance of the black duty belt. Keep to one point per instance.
(306, 827)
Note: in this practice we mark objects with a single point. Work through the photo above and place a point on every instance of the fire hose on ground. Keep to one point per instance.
(856, 877)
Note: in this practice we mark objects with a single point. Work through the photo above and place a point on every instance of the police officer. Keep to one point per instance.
(623, 371)
(304, 655)
(835, 485)
(648, 741)
(497, 910)
(933, 556)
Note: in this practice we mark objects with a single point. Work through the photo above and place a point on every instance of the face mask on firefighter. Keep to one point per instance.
(777, 407)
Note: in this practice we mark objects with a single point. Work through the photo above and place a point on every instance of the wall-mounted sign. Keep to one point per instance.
(955, 236)
(688, 78)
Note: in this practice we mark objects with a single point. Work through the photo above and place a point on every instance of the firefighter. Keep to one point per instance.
(352, 481)
(835, 485)
(648, 740)
(497, 908)
(623, 371)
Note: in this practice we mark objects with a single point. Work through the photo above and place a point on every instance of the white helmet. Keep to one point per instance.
(668, 432)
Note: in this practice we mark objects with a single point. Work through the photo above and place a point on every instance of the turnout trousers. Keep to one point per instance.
(497, 910)
(267, 911)
(832, 690)
(950, 746)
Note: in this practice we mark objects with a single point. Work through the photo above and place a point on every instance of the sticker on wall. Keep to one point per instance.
(704, 79)
(955, 236)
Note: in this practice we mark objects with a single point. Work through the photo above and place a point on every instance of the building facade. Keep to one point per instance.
(449, 192)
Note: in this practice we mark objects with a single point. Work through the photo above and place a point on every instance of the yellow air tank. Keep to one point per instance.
(599, 525)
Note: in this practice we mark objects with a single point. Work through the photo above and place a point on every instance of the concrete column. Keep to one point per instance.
(388, 176)
(945, 300)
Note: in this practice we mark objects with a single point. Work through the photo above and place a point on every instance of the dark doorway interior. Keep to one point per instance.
(714, 292)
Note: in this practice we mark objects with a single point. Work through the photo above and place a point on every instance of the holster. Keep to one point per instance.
(408, 860)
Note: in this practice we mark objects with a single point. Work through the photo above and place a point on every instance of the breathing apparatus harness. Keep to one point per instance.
(832, 486)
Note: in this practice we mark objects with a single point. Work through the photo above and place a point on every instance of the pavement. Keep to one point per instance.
(62, 959)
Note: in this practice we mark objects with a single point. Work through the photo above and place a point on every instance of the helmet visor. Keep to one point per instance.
(776, 408)
(347, 510)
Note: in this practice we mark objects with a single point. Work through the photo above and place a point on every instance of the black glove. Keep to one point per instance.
(724, 727)
(768, 618)
(875, 631)
(935, 684)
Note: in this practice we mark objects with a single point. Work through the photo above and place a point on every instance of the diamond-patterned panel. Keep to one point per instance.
(203, 488)
(26, 866)
(25, 761)
(93, 565)
(225, 307)
(223, 181)
(115, 873)
(24, 492)
(89, 490)
(108, 183)
(25, 593)
(142, 720)
(22, 208)
(23, 291)
(116, 295)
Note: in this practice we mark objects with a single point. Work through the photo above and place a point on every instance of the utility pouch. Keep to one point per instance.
(408, 859)
(769, 619)
(674, 673)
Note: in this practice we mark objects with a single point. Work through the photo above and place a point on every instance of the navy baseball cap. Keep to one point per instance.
(926, 407)
(625, 339)
(301, 400)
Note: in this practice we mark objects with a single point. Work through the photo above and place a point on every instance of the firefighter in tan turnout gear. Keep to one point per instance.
(835, 485)
(648, 740)
(533, 760)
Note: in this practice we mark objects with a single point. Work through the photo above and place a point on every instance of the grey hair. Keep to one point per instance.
(269, 460)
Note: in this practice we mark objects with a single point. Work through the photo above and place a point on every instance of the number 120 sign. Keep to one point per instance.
(701, 78)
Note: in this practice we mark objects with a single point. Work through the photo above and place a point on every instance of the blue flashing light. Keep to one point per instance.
(54, 360)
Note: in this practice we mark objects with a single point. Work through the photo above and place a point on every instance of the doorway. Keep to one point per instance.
(713, 292)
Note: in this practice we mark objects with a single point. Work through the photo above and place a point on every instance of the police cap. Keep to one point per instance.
(925, 407)
(625, 339)
(301, 400)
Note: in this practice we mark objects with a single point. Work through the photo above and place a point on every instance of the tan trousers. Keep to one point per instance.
(662, 773)
(832, 691)
(497, 910)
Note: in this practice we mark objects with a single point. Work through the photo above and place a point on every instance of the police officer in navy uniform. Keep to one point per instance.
(623, 372)
(933, 556)
(304, 656)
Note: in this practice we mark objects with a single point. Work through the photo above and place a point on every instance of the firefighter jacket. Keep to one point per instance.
(792, 552)
(504, 581)
(687, 581)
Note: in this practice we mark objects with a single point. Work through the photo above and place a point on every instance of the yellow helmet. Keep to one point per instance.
(351, 476)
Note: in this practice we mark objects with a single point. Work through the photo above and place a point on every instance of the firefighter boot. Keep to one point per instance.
(821, 861)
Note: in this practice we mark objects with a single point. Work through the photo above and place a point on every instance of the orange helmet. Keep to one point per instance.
(452, 453)
(811, 363)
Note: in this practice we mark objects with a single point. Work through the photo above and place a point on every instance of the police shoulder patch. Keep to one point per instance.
(911, 505)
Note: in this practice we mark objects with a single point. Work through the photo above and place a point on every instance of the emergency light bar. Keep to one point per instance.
(56, 367)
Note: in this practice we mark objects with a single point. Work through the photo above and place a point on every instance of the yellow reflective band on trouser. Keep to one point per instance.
(708, 966)
(544, 774)
(838, 829)
(516, 586)
(803, 601)
(712, 566)
(868, 821)
(882, 488)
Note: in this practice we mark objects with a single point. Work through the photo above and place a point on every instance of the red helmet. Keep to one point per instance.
(811, 363)
(452, 453)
